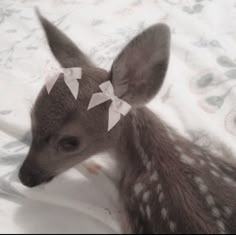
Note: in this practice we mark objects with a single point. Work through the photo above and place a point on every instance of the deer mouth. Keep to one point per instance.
(32, 182)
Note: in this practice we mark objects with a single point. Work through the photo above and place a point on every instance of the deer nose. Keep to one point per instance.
(32, 178)
(27, 177)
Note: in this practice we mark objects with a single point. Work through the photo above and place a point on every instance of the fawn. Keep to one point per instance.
(168, 184)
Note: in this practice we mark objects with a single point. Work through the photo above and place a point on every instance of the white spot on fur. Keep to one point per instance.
(179, 149)
(185, 159)
(161, 197)
(209, 158)
(216, 213)
(172, 226)
(149, 165)
(198, 180)
(154, 176)
(141, 210)
(214, 165)
(159, 188)
(203, 188)
(228, 211)
(211, 203)
(221, 226)
(228, 180)
(215, 173)
(164, 213)
(202, 162)
(221, 232)
(138, 188)
(143, 154)
(210, 200)
(139, 147)
(146, 196)
(229, 169)
(148, 211)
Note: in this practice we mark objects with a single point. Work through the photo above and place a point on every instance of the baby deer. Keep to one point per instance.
(168, 184)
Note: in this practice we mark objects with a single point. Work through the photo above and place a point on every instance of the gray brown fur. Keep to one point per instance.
(168, 184)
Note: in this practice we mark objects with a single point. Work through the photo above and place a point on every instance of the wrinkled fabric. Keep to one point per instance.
(197, 99)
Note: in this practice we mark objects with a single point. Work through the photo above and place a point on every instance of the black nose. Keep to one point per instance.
(27, 178)
(31, 178)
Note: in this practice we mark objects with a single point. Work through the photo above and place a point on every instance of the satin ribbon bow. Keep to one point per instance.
(117, 106)
(70, 77)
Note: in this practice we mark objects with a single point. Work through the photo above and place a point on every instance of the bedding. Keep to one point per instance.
(197, 99)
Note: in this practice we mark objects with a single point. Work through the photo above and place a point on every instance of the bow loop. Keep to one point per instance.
(107, 90)
(70, 77)
(117, 107)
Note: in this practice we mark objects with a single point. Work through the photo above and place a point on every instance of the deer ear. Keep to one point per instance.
(65, 51)
(138, 72)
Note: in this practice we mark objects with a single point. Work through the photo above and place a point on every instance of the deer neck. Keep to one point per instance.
(158, 162)
(145, 143)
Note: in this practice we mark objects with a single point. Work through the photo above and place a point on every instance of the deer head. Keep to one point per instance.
(64, 131)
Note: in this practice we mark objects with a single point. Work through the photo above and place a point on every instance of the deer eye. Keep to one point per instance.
(68, 143)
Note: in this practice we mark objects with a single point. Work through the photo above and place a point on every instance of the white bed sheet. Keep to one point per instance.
(198, 98)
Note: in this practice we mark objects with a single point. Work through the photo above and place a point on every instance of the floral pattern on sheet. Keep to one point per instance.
(190, 6)
(214, 85)
(217, 89)
(201, 79)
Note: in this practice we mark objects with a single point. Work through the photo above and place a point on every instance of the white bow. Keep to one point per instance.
(117, 106)
(70, 77)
